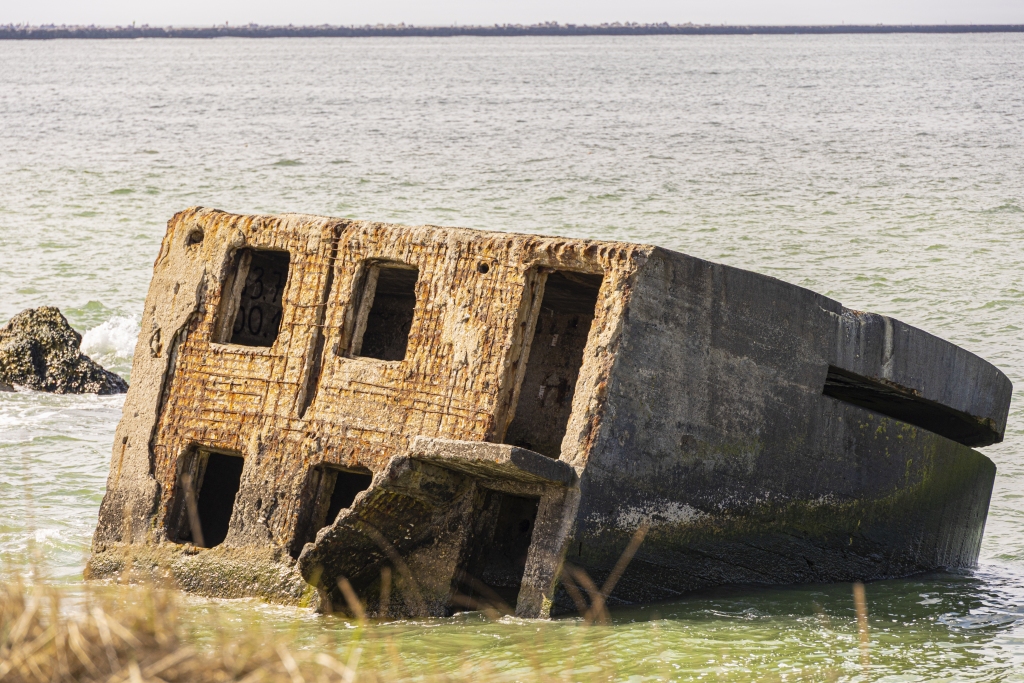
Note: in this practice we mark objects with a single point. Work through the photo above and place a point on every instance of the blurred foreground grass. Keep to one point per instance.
(136, 636)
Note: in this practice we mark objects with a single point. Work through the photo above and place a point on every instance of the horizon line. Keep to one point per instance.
(13, 31)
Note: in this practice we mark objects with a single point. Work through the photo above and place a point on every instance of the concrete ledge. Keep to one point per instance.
(492, 461)
(221, 572)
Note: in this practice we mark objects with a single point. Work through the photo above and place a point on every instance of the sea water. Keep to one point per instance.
(886, 171)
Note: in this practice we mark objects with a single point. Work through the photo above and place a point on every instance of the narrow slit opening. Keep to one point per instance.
(904, 405)
(496, 563)
(555, 357)
(252, 305)
(215, 479)
(390, 297)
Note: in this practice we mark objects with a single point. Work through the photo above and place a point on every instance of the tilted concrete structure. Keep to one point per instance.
(317, 398)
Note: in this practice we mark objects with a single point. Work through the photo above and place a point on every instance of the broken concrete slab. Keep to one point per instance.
(427, 512)
(466, 412)
(492, 461)
(40, 350)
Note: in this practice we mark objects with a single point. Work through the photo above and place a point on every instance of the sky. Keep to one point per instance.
(448, 12)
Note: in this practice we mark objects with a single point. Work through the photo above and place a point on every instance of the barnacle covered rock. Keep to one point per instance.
(40, 350)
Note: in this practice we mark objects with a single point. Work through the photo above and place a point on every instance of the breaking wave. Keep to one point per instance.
(113, 342)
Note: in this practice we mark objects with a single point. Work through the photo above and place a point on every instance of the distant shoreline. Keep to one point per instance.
(50, 32)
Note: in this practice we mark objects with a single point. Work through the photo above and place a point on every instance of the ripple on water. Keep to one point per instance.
(834, 162)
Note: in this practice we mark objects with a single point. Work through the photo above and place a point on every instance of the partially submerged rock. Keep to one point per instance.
(438, 416)
(40, 350)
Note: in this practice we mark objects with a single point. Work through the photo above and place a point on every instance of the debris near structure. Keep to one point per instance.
(40, 350)
(427, 417)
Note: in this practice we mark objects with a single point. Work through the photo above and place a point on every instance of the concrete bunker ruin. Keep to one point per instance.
(465, 412)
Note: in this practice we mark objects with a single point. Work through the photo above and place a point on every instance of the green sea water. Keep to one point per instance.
(884, 171)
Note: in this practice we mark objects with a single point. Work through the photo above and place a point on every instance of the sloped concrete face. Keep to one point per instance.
(252, 348)
(521, 402)
(721, 434)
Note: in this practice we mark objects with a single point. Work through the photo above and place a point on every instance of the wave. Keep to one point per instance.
(112, 342)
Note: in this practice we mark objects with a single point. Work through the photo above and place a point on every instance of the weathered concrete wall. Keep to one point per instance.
(305, 401)
(727, 410)
(717, 434)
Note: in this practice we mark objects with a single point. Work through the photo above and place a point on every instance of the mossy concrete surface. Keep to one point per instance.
(214, 572)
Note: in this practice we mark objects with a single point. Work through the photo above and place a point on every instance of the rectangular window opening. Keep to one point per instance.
(214, 478)
(388, 304)
(251, 307)
(497, 555)
(905, 405)
(333, 490)
(553, 365)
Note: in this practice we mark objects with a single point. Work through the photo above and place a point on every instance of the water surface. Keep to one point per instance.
(885, 171)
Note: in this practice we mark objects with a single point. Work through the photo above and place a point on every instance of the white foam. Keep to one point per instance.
(112, 341)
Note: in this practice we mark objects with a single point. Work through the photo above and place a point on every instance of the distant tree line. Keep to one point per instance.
(25, 32)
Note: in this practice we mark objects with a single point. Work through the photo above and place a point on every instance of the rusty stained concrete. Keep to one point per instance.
(700, 410)
(458, 379)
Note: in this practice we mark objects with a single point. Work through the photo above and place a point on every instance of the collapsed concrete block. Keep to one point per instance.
(444, 417)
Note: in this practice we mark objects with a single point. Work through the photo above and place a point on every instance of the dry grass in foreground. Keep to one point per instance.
(113, 642)
(40, 643)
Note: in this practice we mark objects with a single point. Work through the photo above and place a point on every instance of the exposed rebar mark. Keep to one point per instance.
(315, 367)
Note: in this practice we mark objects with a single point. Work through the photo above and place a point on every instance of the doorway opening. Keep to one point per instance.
(554, 359)
(209, 484)
(386, 312)
(494, 570)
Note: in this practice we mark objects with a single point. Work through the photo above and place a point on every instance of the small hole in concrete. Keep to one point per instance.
(194, 237)
(483, 268)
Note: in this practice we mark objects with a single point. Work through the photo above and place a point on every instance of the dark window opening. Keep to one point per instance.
(253, 298)
(496, 561)
(333, 490)
(553, 366)
(903, 404)
(214, 479)
(389, 300)
(347, 485)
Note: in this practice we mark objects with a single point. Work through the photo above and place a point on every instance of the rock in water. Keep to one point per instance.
(40, 350)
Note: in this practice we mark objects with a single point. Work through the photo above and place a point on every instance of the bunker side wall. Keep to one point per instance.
(717, 436)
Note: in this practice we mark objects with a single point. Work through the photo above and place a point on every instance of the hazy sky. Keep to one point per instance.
(207, 12)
